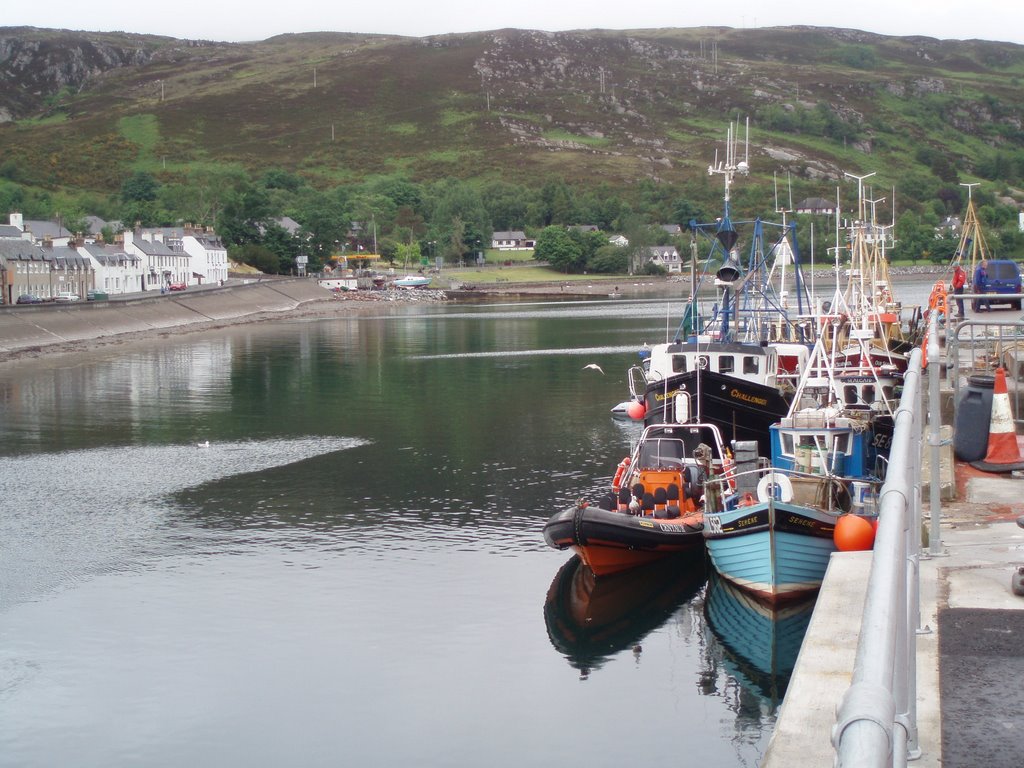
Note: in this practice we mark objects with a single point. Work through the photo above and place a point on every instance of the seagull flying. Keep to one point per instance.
(595, 366)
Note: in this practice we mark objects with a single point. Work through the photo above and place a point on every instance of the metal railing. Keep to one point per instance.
(876, 722)
(979, 346)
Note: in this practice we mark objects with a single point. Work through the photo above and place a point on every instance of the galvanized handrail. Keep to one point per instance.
(876, 722)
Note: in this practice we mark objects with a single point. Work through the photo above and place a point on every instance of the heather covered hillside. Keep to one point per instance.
(503, 129)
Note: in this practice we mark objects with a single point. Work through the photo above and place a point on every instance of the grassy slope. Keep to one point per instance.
(421, 106)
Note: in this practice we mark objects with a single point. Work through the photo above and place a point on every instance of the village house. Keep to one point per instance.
(673, 229)
(162, 264)
(619, 240)
(43, 232)
(817, 206)
(24, 269)
(71, 272)
(665, 256)
(209, 257)
(117, 272)
(513, 240)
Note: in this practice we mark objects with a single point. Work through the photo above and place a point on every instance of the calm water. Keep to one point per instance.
(353, 572)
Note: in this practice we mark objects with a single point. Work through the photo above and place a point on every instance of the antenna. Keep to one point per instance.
(731, 167)
(970, 187)
(860, 192)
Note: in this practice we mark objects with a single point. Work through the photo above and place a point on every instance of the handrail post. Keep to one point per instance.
(934, 435)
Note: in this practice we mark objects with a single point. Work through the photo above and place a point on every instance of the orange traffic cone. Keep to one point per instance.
(1003, 453)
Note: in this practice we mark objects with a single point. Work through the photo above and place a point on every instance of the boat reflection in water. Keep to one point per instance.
(590, 619)
(757, 645)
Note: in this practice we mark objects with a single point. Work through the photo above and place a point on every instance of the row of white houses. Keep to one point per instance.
(43, 259)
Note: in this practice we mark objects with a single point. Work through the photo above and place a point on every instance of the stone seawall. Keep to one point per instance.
(40, 325)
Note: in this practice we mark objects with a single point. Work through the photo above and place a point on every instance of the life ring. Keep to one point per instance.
(783, 488)
(619, 472)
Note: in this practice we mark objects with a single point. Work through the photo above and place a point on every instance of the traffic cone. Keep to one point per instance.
(1003, 454)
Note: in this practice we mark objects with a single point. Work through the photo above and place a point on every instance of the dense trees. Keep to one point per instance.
(453, 219)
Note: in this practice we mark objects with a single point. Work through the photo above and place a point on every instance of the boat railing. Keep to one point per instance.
(637, 378)
(830, 493)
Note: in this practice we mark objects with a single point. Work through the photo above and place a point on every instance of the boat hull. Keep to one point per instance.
(776, 550)
(611, 541)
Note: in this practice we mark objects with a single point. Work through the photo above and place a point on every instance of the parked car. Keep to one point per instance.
(29, 298)
(1003, 278)
(96, 295)
(67, 296)
(177, 287)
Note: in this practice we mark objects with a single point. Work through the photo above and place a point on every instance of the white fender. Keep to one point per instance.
(783, 489)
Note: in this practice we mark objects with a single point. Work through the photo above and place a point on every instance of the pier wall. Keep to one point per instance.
(39, 325)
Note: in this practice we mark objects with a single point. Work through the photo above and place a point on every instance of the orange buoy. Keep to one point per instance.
(636, 410)
(853, 533)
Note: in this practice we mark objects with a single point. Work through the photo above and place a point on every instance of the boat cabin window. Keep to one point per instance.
(678, 363)
(817, 443)
(662, 454)
(726, 364)
(854, 395)
(749, 364)
(678, 444)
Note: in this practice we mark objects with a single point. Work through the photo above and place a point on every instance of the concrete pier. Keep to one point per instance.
(40, 325)
(970, 647)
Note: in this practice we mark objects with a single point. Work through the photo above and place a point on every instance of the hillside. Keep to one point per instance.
(82, 111)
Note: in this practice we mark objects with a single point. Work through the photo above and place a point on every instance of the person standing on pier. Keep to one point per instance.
(958, 283)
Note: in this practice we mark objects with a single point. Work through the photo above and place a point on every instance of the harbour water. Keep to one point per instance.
(352, 570)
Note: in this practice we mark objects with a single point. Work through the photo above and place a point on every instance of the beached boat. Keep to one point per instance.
(653, 508)
(412, 281)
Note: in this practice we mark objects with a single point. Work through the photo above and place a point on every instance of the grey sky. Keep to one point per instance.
(233, 20)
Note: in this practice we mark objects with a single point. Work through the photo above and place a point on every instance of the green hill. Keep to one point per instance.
(80, 112)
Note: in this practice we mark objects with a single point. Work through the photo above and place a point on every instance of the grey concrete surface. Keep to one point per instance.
(25, 327)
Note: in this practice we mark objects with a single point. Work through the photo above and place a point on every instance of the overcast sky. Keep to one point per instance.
(233, 20)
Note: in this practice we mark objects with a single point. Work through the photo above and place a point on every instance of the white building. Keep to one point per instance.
(511, 241)
(117, 271)
(665, 256)
(209, 257)
(161, 264)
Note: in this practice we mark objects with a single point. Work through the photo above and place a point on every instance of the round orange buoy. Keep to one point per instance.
(853, 533)
(636, 410)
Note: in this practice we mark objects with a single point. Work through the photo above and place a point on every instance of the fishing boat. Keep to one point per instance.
(740, 363)
(591, 619)
(771, 530)
(653, 507)
(412, 281)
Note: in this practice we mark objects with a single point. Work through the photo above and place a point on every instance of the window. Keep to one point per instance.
(750, 364)
(726, 364)
(679, 363)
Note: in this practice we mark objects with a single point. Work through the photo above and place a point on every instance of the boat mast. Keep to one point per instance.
(731, 270)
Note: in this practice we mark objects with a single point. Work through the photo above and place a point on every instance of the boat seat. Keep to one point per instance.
(624, 497)
(660, 503)
(672, 501)
(647, 504)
